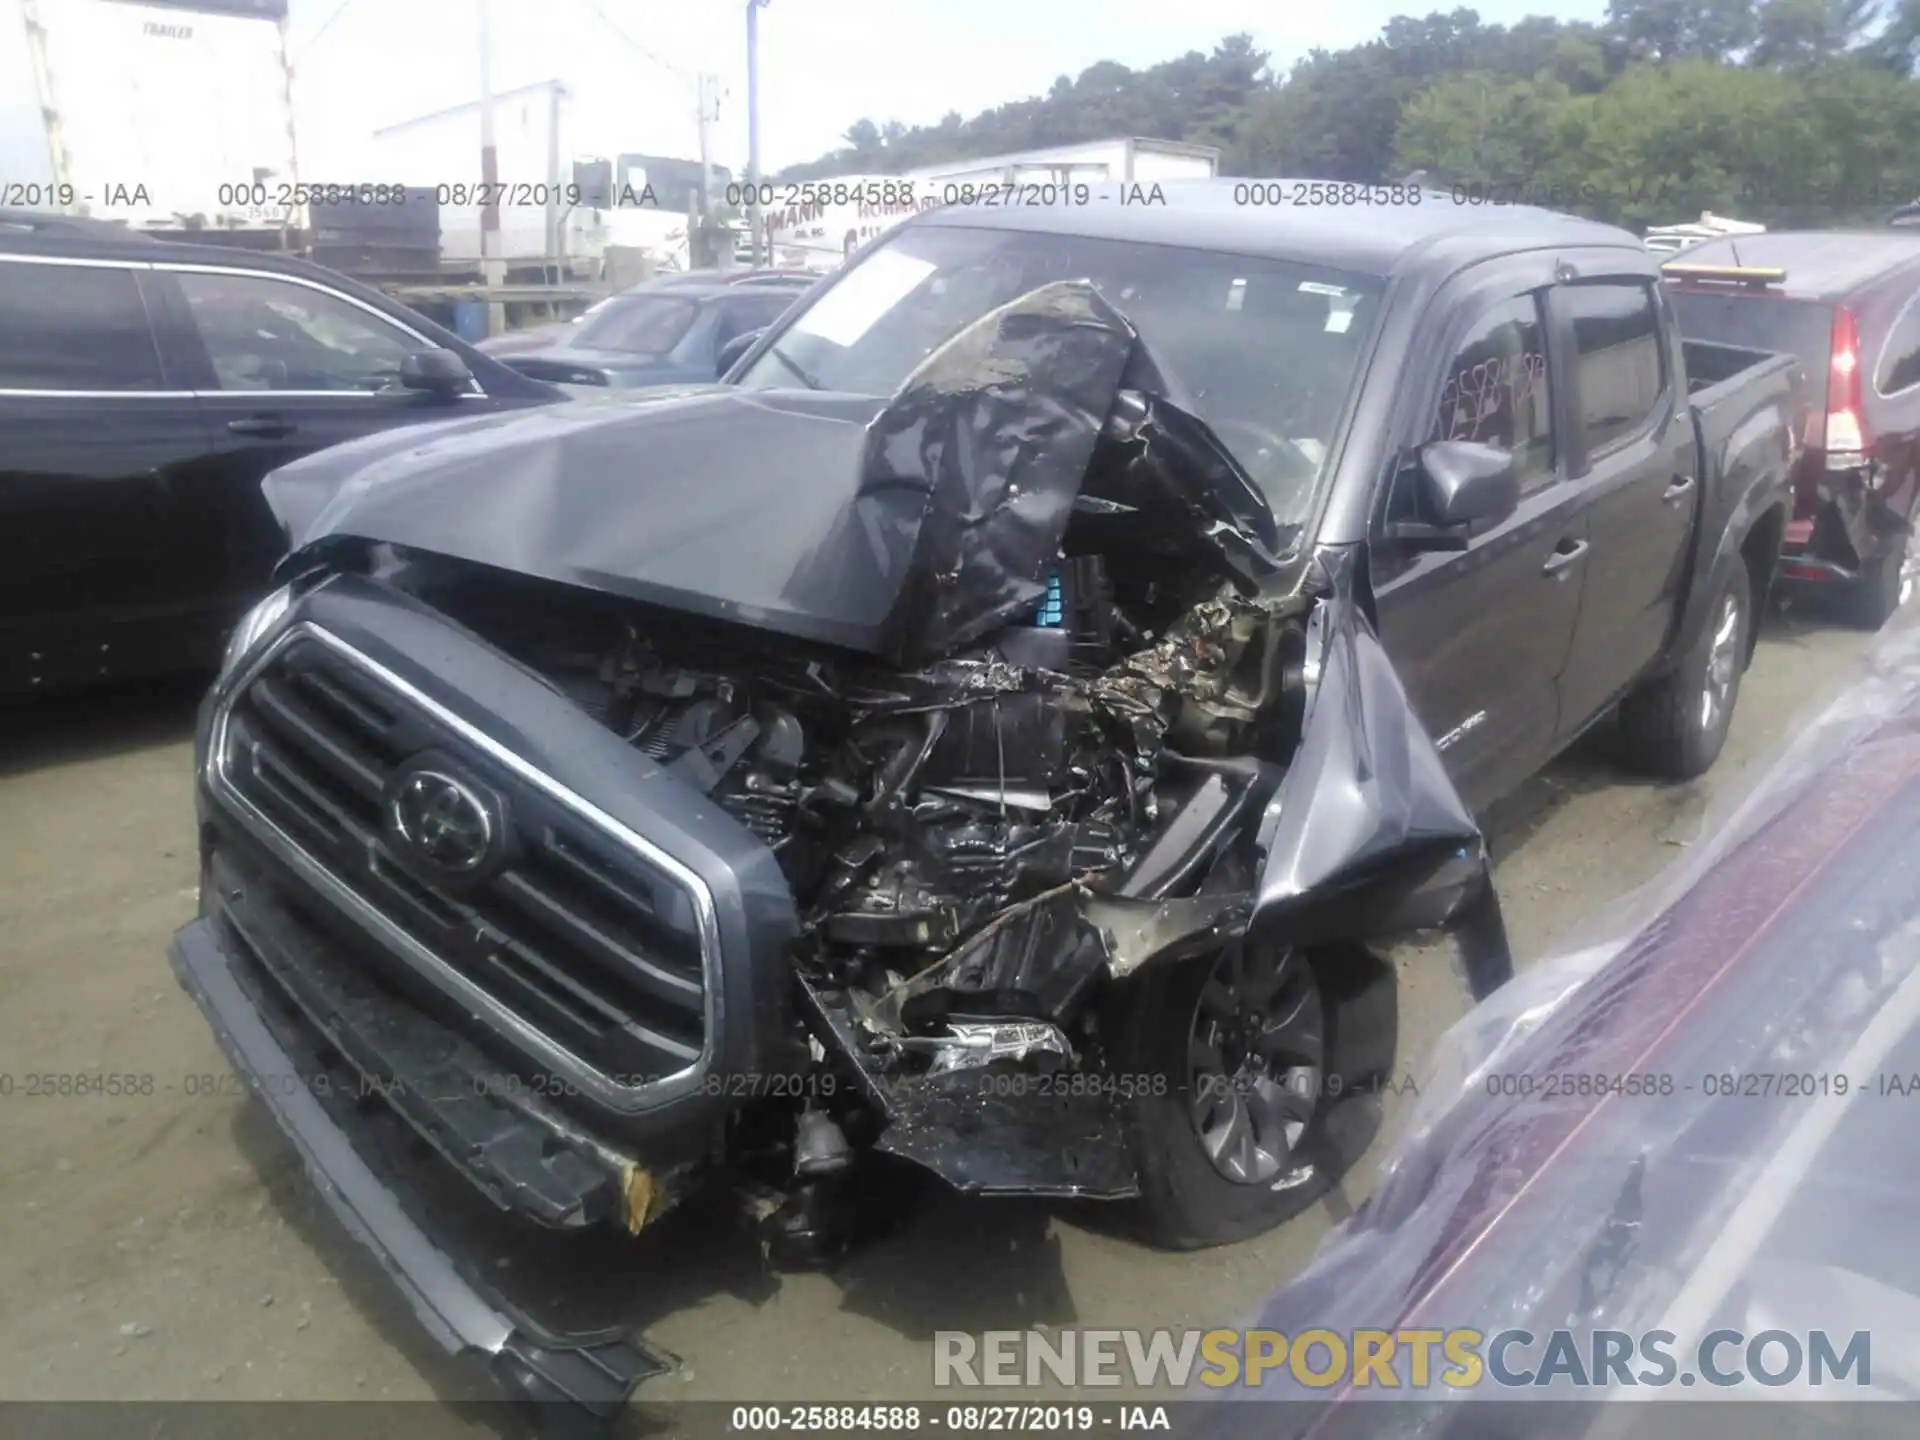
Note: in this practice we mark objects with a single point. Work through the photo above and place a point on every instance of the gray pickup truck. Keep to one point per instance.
(980, 738)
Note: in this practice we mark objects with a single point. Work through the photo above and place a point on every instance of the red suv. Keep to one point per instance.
(1848, 304)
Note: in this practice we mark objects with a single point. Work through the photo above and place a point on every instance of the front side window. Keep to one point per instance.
(262, 333)
(1616, 340)
(74, 327)
(1265, 351)
(1496, 389)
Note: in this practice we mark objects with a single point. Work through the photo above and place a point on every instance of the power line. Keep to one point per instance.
(338, 11)
(633, 44)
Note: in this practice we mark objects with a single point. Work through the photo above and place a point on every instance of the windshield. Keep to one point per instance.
(637, 324)
(1265, 351)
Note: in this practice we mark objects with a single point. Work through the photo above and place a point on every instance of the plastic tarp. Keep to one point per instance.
(1681, 1120)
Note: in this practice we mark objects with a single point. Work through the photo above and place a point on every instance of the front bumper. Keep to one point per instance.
(464, 1314)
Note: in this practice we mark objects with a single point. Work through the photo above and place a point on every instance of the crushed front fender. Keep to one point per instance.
(1367, 837)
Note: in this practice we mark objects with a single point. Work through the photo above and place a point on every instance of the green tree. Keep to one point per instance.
(1799, 33)
(1684, 29)
(1787, 111)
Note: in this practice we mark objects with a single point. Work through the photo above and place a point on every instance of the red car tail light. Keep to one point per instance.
(1848, 443)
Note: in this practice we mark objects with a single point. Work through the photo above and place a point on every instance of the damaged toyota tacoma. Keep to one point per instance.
(981, 737)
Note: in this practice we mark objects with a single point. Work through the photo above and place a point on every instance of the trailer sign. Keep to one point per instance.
(245, 9)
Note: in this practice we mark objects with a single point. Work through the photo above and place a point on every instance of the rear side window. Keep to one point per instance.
(74, 327)
(1616, 341)
(1496, 392)
(1899, 367)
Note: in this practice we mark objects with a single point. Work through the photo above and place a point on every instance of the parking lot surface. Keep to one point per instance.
(162, 1243)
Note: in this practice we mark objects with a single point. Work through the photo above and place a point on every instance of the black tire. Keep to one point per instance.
(1667, 727)
(1871, 600)
(1186, 1202)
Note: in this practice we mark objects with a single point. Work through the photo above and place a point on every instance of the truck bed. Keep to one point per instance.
(1746, 419)
(1711, 365)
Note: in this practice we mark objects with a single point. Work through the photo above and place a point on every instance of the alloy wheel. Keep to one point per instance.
(1256, 1060)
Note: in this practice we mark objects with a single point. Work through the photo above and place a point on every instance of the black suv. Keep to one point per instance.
(146, 388)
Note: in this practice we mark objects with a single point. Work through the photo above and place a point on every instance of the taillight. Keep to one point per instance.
(1848, 445)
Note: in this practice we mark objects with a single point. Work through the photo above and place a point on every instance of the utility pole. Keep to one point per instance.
(299, 217)
(59, 162)
(699, 252)
(493, 265)
(753, 129)
(552, 265)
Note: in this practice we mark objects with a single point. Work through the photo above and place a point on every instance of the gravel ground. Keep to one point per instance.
(164, 1245)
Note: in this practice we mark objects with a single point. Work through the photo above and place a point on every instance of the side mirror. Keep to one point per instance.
(1461, 484)
(436, 372)
(731, 352)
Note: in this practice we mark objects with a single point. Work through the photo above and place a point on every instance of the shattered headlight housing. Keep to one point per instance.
(255, 626)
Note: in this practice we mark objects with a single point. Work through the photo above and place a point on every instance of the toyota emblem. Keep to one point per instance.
(443, 820)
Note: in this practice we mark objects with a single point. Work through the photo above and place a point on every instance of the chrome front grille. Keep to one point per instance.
(583, 938)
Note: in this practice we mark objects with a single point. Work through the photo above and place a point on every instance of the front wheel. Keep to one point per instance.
(1259, 1060)
(1675, 725)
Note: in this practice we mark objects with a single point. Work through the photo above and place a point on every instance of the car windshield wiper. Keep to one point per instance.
(796, 367)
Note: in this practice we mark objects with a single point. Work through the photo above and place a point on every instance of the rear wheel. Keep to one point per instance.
(1675, 725)
(1242, 1065)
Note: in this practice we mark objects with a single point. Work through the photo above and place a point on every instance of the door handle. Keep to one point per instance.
(266, 427)
(1562, 558)
(1680, 486)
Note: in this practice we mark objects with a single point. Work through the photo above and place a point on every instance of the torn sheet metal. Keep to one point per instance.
(1165, 473)
(900, 527)
(984, 1131)
(1367, 835)
(974, 1044)
(1135, 931)
(996, 429)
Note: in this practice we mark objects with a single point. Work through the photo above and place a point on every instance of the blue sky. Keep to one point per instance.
(824, 63)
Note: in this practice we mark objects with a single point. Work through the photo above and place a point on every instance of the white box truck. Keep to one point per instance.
(167, 114)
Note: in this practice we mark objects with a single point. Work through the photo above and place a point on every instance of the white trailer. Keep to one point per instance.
(164, 114)
(549, 218)
(1128, 158)
(440, 152)
(808, 228)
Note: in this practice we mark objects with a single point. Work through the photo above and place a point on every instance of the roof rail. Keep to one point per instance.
(1754, 277)
(49, 222)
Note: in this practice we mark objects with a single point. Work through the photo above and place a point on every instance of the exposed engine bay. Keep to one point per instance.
(913, 811)
(1017, 697)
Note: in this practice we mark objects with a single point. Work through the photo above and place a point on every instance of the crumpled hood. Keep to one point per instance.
(710, 499)
(901, 527)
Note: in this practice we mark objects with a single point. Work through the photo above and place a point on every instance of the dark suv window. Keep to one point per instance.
(1616, 339)
(1900, 361)
(1495, 391)
(74, 327)
(750, 312)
